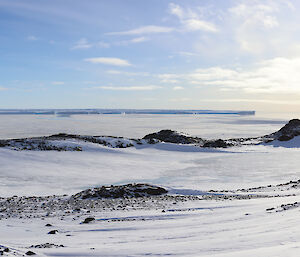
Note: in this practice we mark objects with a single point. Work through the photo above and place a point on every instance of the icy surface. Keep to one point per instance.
(137, 126)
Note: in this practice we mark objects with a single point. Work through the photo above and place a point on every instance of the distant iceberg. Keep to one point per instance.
(68, 112)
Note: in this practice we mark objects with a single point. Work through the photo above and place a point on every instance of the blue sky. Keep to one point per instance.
(210, 54)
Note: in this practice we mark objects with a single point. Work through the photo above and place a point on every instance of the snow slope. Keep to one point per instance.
(292, 143)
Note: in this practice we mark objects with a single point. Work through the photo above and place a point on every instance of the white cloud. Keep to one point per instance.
(257, 14)
(178, 88)
(194, 24)
(168, 78)
(129, 88)
(213, 73)
(138, 39)
(277, 75)
(245, 100)
(132, 41)
(108, 61)
(176, 10)
(191, 20)
(170, 81)
(151, 29)
(83, 43)
(260, 28)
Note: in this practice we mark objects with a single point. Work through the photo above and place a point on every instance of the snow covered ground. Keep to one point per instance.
(216, 227)
(175, 166)
(200, 228)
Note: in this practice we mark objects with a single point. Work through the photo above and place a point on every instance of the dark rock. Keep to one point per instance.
(88, 220)
(30, 253)
(219, 143)
(3, 143)
(270, 209)
(46, 245)
(52, 232)
(129, 190)
(6, 250)
(48, 225)
(288, 132)
(171, 136)
(285, 138)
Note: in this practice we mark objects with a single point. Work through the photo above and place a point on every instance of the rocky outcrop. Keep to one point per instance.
(46, 245)
(67, 142)
(88, 220)
(171, 136)
(219, 143)
(123, 191)
(288, 132)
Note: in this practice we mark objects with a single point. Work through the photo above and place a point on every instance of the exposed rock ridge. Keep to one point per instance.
(123, 191)
(288, 132)
(67, 142)
(171, 136)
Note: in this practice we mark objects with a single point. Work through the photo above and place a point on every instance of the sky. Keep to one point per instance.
(203, 54)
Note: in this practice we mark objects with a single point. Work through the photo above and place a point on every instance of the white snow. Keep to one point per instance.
(225, 228)
(293, 143)
(238, 228)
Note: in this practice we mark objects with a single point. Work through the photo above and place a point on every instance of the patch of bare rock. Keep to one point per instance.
(129, 190)
(47, 245)
(284, 207)
(171, 136)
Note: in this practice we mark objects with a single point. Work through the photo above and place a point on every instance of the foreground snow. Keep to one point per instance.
(192, 228)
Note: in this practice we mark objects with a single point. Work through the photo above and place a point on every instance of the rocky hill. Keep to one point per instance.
(122, 191)
(288, 132)
(171, 136)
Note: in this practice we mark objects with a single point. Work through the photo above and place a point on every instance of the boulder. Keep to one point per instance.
(52, 232)
(88, 220)
(30, 253)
